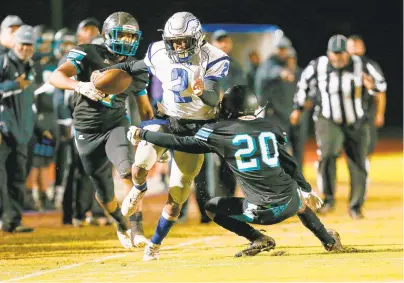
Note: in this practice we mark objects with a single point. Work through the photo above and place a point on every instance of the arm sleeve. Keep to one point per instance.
(185, 144)
(287, 162)
(77, 56)
(290, 166)
(375, 71)
(211, 94)
(304, 85)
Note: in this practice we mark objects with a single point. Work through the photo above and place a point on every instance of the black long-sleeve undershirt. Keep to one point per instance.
(186, 144)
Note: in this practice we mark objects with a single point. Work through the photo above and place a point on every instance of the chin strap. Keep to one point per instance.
(262, 109)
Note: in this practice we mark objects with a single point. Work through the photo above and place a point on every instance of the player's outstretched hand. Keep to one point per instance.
(133, 135)
(87, 89)
(312, 199)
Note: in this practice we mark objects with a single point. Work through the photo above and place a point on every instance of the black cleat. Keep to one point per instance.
(17, 229)
(336, 246)
(262, 244)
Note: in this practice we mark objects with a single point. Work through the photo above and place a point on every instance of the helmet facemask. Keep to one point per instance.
(192, 47)
(123, 40)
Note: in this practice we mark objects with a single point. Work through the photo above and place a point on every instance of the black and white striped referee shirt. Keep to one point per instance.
(341, 91)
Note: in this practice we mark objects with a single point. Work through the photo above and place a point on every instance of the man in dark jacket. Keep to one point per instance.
(16, 126)
(274, 84)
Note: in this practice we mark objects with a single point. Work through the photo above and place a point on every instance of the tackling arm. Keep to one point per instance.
(170, 141)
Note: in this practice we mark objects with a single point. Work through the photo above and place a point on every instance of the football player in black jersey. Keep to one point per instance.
(270, 178)
(100, 122)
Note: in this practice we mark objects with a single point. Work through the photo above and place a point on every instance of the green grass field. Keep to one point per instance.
(194, 252)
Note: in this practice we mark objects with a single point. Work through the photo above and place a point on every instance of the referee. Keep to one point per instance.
(340, 81)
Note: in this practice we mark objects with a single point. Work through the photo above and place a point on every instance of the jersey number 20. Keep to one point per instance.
(268, 147)
(181, 76)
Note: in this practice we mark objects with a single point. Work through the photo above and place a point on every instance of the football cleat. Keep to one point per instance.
(124, 235)
(151, 252)
(139, 241)
(262, 244)
(131, 200)
(337, 245)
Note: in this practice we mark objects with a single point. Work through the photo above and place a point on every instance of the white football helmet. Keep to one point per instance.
(183, 26)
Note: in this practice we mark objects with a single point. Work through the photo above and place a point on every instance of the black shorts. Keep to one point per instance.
(41, 161)
(97, 149)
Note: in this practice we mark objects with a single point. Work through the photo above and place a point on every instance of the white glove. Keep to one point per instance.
(87, 89)
(131, 135)
(312, 199)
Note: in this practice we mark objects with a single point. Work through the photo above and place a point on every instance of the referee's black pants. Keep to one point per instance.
(331, 139)
(13, 159)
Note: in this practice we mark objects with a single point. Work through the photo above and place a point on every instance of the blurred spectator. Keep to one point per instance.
(44, 44)
(275, 84)
(236, 76)
(40, 148)
(297, 133)
(87, 30)
(8, 27)
(65, 40)
(254, 62)
(17, 123)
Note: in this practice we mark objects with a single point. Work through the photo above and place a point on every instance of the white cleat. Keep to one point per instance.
(124, 238)
(151, 252)
(124, 235)
(140, 241)
(131, 200)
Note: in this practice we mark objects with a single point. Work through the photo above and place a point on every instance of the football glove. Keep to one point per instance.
(87, 89)
(131, 135)
(312, 199)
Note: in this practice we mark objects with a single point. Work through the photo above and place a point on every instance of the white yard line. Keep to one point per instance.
(70, 266)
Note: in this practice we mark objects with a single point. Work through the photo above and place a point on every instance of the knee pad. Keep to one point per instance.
(179, 194)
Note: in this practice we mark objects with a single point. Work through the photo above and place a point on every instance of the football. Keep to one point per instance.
(112, 81)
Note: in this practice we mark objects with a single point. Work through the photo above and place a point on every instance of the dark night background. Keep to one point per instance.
(308, 24)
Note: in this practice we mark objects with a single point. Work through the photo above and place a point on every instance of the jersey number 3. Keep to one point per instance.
(180, 77)
(268, 147)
